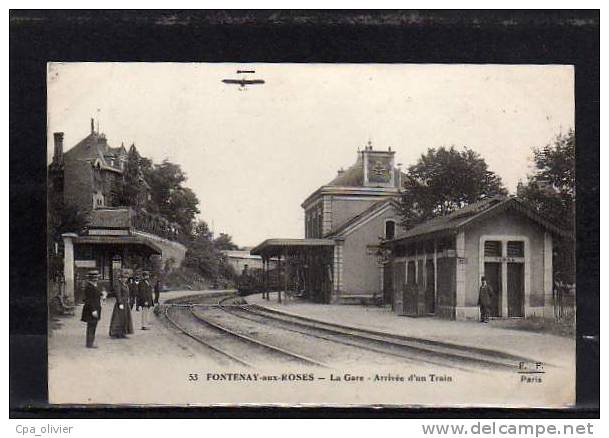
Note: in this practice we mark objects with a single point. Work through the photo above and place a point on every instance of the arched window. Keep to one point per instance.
(390, 229)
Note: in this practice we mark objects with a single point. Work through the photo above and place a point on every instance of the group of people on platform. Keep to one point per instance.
(132, 291)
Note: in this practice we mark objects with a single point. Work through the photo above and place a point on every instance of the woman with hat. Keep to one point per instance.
(121, 323)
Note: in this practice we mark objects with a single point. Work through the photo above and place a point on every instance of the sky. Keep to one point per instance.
(252, 156)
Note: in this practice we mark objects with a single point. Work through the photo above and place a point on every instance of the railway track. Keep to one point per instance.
(411, 349)
(201, 340)
(229, 339)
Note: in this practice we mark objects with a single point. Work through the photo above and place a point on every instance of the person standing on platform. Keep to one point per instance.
(157, 294)
(145, 299)
(157, 291)
(132, 291)
(121, 323)
(91, 311)
(485, 299)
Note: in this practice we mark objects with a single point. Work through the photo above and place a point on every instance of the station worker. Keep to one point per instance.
(121, 323)
(91, 311)
(485, 298)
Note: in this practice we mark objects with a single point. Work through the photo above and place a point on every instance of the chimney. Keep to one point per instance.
(340, 171)
(92, 125)
(58, 155)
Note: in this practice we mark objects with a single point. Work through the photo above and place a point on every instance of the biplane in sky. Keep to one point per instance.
(243, 82)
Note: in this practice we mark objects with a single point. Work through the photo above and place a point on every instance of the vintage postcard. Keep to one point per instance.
(311, 234)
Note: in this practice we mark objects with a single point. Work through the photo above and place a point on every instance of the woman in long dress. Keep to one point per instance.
(121, 323)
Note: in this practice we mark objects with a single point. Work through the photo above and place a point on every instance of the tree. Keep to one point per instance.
(225, 242)
(131, 190)
(61, 218)
(169, 197)
(444, 180)
(550, 191)
(201, 255)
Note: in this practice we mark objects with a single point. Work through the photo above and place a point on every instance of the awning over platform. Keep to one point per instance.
(118, 240)
(278, 247)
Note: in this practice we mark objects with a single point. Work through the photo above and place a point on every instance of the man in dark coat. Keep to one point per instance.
(485, 298)
(91, 311)
(157, 290)
(145, 299)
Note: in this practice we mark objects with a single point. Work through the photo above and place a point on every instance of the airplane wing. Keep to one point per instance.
(243, 82)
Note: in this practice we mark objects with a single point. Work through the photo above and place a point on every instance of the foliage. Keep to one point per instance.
(225, 242)
(444, 180)
(132, 189)
(550, 191)
(160, 189)
(201, 254)
(61, 218)
(169, 197)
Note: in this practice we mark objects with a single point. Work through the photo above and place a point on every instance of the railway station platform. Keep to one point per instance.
(549, 348)
(138, 363)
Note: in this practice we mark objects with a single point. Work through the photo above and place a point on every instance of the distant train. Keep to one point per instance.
(252, 282)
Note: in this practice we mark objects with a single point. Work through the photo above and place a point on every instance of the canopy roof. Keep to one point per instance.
(472, 214)
(275, 247)
(119, 240)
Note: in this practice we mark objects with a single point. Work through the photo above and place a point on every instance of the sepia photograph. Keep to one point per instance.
(311, 234)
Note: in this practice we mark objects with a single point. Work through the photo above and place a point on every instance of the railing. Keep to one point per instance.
(564, 303)
(155, 224)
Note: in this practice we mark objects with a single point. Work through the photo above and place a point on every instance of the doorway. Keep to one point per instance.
(492, 273)
(515, 289)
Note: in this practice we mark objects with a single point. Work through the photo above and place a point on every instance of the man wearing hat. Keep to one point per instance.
(91, 311)
(485, 298)
(144, 298)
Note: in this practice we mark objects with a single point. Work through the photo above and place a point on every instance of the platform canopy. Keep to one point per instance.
(278, 247)
(119, 241)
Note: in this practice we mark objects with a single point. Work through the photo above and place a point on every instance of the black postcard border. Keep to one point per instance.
(482, 36)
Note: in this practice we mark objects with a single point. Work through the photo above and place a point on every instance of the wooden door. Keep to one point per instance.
(492, 273)
(515, 289)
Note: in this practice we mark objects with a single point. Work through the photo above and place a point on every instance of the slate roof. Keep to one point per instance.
(352, 177)
(358, 217)
(110, 218)
(94, 146)
(473, 213)
(277, 246)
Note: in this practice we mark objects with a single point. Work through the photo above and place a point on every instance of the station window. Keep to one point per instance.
(515, 249)
(390, 230)
(492, 248)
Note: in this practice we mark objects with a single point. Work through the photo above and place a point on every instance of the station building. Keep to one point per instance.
(437, 266)
(239, 259)
(115, 236)
(345, 221)
(354, 250)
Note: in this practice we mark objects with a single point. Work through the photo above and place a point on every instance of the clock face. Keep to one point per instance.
(379, 170)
